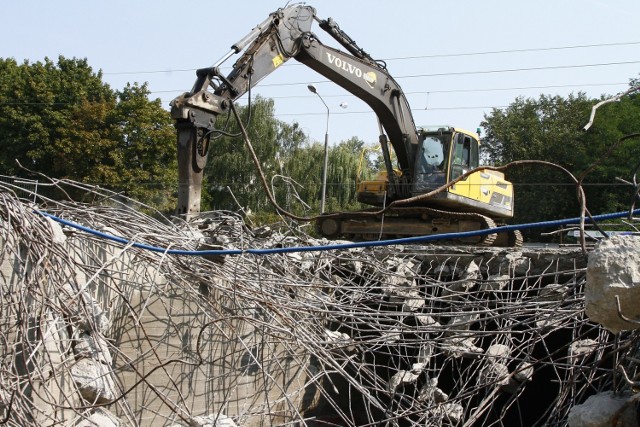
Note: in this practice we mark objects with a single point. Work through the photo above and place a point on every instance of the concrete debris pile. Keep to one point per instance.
(94, 331)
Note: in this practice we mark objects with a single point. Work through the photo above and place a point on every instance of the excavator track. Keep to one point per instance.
(512, 239)
(413, 221)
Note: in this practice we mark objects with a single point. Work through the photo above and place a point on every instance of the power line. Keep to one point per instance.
(447, 55)
(414, 111)
(120, 73)
(493, 52)
(343, 95)
(450, 90)
(427, 91)
(511, 70)
(460, 73)
(435, 91)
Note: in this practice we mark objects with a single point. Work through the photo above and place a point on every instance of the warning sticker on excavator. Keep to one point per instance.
(277, 61)
(370, 78)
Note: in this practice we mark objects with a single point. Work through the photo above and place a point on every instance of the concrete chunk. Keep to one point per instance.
(93, 346)
(99, 417)
(498, 351)
(524, 372)
(578, 350)
(613, 270)
(602, 410)
(213, 420)
(467, 279)
(450, 413)
(457, 347)
(402, 377)
(430, 392)
(495, 374)
(95, 381)
(495, 282)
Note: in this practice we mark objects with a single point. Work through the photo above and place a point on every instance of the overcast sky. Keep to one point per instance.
(456, 60)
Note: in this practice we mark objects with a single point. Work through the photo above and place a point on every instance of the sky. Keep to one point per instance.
(455, 60)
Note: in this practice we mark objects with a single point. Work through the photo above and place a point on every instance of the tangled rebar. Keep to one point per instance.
(94, 331)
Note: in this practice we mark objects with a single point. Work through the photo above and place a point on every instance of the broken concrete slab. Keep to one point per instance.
(250, 335)
(613, 274)
(95, 381)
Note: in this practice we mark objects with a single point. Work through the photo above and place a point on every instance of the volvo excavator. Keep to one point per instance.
(426, 158)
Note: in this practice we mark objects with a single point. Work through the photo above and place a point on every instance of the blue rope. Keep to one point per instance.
(406, 240)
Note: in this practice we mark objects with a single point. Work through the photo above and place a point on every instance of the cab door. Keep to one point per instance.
(464, 157)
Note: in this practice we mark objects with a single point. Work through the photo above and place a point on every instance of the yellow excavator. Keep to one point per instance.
(426, 158)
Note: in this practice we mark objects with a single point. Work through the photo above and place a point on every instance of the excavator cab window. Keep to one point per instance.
(431, 162)
(465, 155)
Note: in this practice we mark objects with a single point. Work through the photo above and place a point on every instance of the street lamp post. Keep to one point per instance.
(313, 89)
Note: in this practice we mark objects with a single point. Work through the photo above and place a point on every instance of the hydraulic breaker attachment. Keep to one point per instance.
(193, 148)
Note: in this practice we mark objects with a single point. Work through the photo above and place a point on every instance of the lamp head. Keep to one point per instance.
(312, 89)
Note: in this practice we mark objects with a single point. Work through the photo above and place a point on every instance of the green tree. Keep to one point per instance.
(342, 170)
(46, 110)
(146, 158)
(613, 122)
(231, 172)
(291, 164)
(61, 120)
(304, 165)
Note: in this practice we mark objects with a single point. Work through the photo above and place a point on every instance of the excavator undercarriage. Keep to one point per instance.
(401, 222)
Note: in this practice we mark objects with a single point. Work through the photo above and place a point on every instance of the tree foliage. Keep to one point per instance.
(147, 151)
(60, 119)
(305, 166)
(45, 108)
(231, 177)
(342, 174)
(292, 165)
(550, 128)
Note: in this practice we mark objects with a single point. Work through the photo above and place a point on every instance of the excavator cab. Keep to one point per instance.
(485, 192)
(444, 154)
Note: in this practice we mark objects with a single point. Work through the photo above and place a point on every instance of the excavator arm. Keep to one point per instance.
(286, 34)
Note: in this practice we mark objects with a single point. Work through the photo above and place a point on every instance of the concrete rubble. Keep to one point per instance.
(605, 410)
(213, 420)
(98, 417)
(425, 335)
(612, 294)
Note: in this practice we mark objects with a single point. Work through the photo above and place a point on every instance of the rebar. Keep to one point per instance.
(397, 336)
